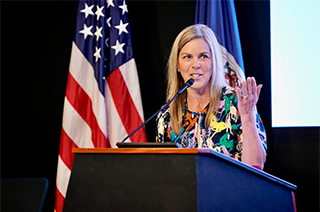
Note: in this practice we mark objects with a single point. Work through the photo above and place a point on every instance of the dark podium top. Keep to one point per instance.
(171, 179)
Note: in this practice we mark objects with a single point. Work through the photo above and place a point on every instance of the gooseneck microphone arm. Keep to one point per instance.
(188, 84)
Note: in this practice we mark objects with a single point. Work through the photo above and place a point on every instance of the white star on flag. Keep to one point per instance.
(97, 53)
(122, 27)
(108, 21)
(124, 7)
(87, 10)
(118, 47)
(86, 31)
(110, 3)
(99, 12)
(98, 33)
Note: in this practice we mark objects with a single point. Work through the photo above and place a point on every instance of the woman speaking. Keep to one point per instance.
(210, 114)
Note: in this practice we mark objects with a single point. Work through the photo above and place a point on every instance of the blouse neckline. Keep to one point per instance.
(203, 111)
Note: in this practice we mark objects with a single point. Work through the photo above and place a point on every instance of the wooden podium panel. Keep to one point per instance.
(171, 180)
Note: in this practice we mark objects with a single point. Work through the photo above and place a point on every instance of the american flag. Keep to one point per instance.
(102, 101)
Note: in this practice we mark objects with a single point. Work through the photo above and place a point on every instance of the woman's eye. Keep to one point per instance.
(186, 57)
(204, 57)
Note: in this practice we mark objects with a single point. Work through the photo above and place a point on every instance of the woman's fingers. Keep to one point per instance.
(259, 90)
(248, 96)
(250, 88)
(239, 92)
(254, 87)
(244, 89)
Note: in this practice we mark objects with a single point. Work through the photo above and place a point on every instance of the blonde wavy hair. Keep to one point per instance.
(176, 82)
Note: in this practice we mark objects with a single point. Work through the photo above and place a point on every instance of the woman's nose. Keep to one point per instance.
(196, 64)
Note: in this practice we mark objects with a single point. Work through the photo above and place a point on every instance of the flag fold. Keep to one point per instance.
(220, 16)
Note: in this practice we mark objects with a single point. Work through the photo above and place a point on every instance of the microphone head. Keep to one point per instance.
(187, 85)
(190, 82)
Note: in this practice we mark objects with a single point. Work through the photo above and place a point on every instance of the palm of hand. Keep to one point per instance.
(248, 97)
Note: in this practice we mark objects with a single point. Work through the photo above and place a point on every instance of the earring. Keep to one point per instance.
(178, 70)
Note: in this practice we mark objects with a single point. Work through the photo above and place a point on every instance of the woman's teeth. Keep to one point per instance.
(195, 75)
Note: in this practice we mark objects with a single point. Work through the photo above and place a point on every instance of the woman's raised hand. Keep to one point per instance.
(248, 96)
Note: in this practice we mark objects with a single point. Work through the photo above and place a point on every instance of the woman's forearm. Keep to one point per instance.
(253, 152)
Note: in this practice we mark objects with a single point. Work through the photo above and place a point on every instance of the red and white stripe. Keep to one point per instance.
(91, 120)
(124, 105)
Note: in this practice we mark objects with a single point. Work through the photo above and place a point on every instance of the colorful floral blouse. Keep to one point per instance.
(223, 135)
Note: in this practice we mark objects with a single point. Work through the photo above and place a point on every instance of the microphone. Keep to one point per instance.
(187, 85)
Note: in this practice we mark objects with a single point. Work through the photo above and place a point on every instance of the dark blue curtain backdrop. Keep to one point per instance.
(36, 39)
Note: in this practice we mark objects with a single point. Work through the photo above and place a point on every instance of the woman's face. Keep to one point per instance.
(195, 61)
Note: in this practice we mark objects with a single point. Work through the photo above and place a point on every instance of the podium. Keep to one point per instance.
(171, 179)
